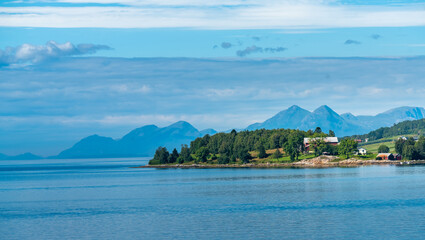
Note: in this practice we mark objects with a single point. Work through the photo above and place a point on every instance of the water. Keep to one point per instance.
(105, 199)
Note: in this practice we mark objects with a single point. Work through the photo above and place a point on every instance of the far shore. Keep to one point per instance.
(319, 162)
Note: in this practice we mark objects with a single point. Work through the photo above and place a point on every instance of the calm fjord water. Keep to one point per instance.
(105, 199)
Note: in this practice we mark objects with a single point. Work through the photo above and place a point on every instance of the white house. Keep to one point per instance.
(362, 151)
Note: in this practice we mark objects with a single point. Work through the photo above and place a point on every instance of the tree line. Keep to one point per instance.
(411, 149)
(224, 148)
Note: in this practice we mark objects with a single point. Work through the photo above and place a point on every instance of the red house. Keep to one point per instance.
(329, 140)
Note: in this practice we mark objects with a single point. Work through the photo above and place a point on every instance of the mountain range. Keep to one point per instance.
(343, 125)
(145, 140)
(137, 143)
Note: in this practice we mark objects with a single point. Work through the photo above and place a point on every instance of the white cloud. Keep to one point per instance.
(220, 92)
(373, 91)
(124, 88)
(215, 14)
(36, 53)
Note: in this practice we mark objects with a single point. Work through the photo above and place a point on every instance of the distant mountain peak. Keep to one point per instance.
(324, 108)
(181, 124)
(288, 118)
(294, 107)
(348, 116)
(208, 131)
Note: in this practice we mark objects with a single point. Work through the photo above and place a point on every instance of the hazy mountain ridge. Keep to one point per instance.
(140, 142)
(24, 156)
(343, 125)
(145, 140)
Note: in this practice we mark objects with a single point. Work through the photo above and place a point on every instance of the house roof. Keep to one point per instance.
(362, 149)
(326, 139)
(384, 154)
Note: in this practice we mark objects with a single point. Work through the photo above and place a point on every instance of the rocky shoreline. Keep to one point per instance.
(319, 162)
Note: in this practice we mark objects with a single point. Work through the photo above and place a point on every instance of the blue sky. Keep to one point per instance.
(71, 68)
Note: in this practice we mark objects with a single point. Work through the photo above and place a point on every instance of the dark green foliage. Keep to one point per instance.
(153, 162)
(408, 151)
(383, 149)
(262, 152)
(319, 146)
(411, 150)
(378, 158)
(277, 154)
(235, 146)
(318, 130)
(198, 143)
(161, 155)
(331, 133)
(420, 147)
(332, 150)
(399, 145)
(173, 156)
(184, 155)
(274, 141)
(202, 154)
(347, 147)
(243, 155)
(295, 145)
(223, 159)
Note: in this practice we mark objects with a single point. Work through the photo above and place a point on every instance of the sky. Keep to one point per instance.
(72, 68)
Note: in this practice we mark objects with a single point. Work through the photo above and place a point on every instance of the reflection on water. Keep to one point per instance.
(104, 198)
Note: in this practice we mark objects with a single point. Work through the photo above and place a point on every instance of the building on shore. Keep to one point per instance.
(328, 140)
(362, 151)
(385, 156)
(389, 156)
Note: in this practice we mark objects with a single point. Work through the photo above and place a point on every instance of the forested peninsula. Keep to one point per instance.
(282, 148)
(260, 148)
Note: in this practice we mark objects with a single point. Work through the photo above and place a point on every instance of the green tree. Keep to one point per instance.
(274, 140)
(408, 152)
(173, 156)
(318, 130)
(319, 146)
(223, 159)
(184, 155)
(277, 154)
(161, 155)
(420, 147)
(399, 144)
(383, 149)
(244, 155)
(202, 154)
(347, 146)
(331, 133)
(295, 145)
(262, 152)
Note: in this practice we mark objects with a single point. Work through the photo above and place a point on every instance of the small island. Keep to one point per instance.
(285, 148)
